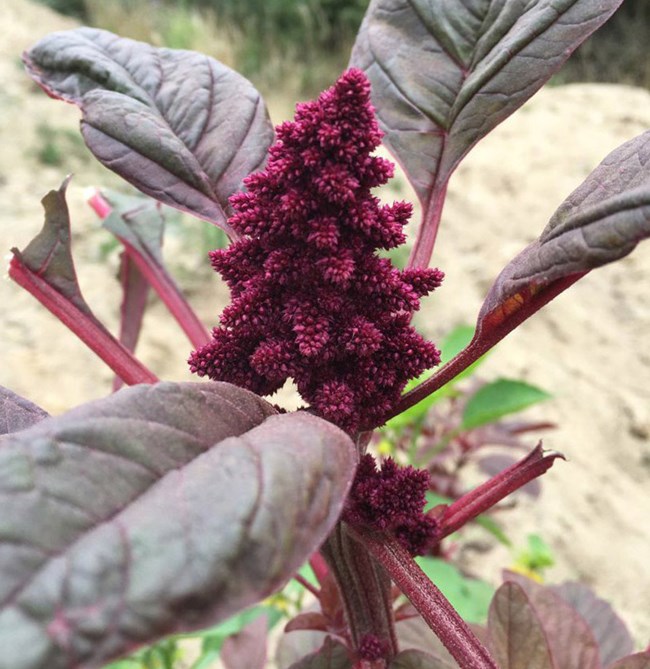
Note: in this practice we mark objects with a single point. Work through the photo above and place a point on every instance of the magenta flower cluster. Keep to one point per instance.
(392, 499)
(311, 299)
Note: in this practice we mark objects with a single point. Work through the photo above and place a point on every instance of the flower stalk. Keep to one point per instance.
(365, 590)
(432, 605)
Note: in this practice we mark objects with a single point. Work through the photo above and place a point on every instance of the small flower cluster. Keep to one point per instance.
(371, 648)
(392, 499)
(311, 300)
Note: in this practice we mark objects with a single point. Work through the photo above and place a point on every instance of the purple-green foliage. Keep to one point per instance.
(170, 506)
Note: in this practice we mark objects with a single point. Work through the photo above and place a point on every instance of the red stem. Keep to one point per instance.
(432, 605)
(475, 502)
(84, 325)
(307, 585)
(490, 330)
(319, 567)
(365, 590)
(160, 280)
(171, 296)
(426, 239)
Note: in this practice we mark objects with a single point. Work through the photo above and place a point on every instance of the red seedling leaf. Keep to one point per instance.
(517, 639)
(17, 413)
(333, 655)
(181, 127)
(445, 74)
(638, 661)
(46, 270)
(614, 640)
(159, 509)
(570, 639)
(246, 649)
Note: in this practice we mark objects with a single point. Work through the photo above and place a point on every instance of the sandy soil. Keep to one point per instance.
(589, 347)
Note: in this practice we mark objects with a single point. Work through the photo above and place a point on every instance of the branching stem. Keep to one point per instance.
(434, 608)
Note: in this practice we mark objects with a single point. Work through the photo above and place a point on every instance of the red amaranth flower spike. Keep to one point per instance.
(392, 499)
(311, 300)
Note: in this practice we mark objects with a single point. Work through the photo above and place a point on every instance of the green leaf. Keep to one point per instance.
(493, 528)
(434, 499)
(161, 508)
(500, 398)
(537, 556)
(469, 596)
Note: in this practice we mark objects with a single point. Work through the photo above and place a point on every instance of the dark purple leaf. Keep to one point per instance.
(310, 620)
(445, 74)
(136, 220)
(417, 659)
(415, 634)
(17, 413)
(246, 649)
(600, 222)
(572, 644)
(614, 640)
(178, 125)
(333, 655)
(293, 646)
(517, 639)
(135, 290)
(638, 661)
(138, 223)
(159, 509)
(46, 270)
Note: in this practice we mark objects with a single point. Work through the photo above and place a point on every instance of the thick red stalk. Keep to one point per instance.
(426, 239)
(365, 590)
(319, 567)
(90, 331)
(469, 506)
(307, 585)
(434, 608)
(491, 329)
